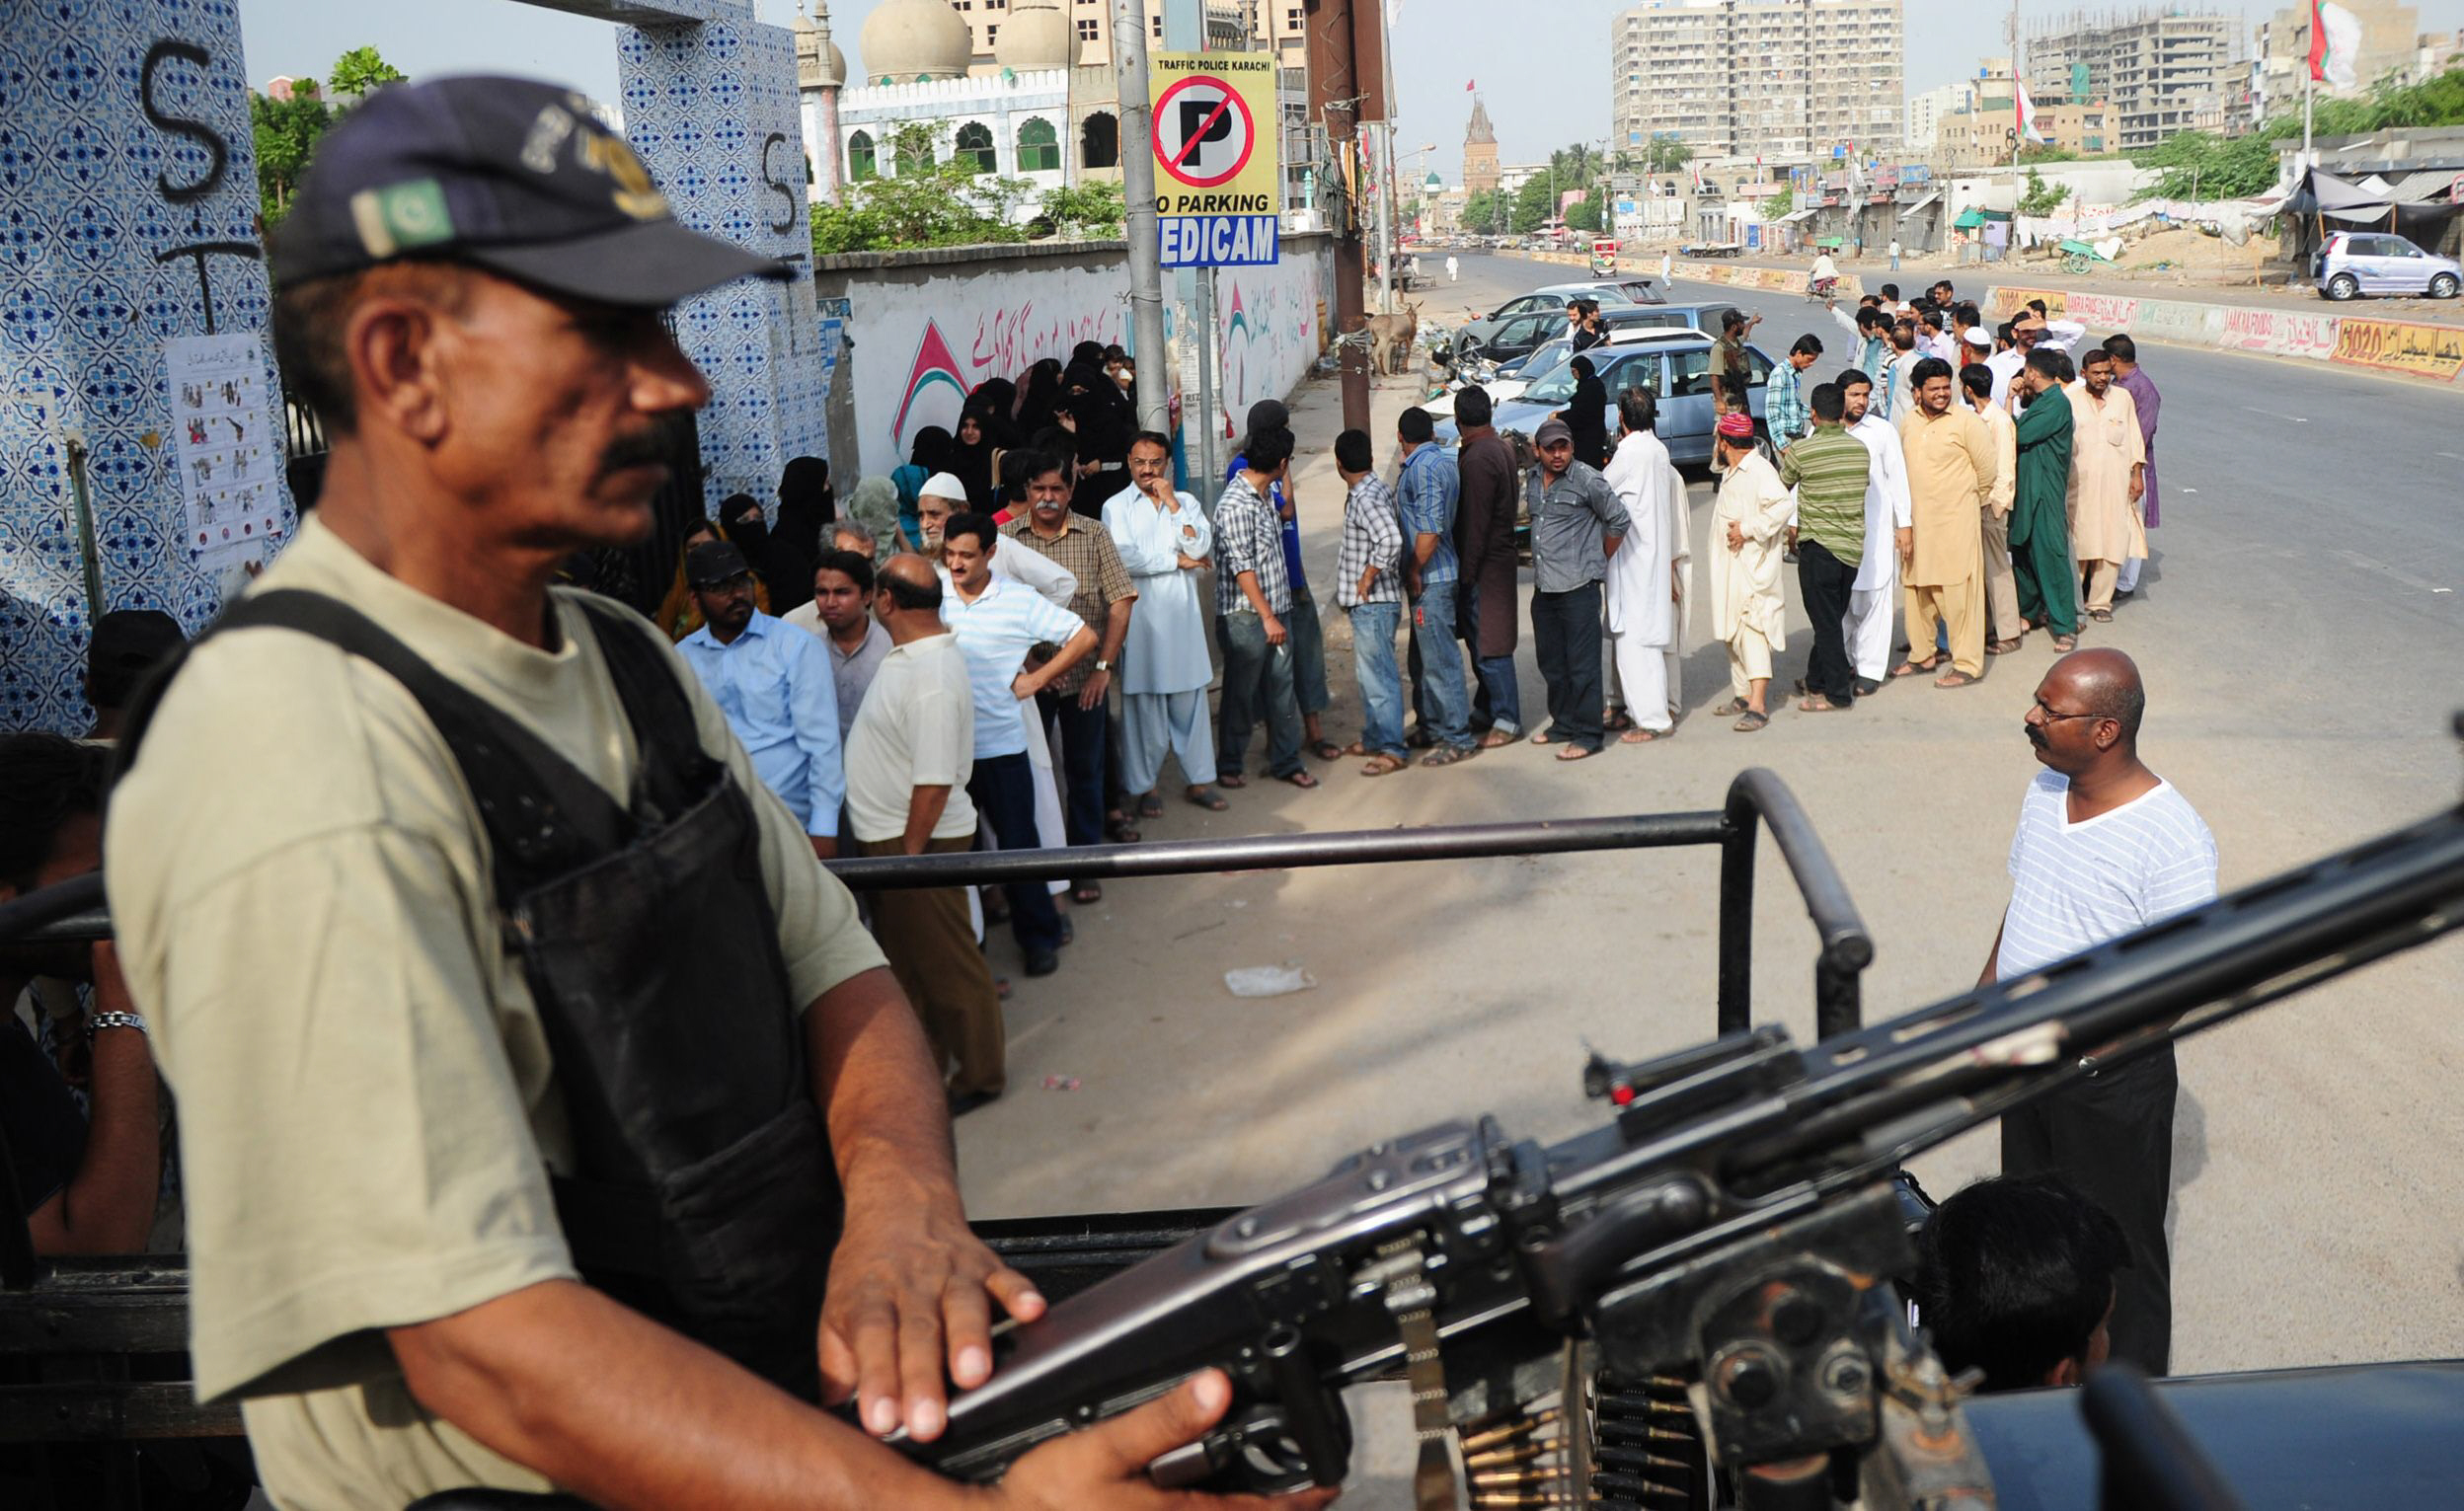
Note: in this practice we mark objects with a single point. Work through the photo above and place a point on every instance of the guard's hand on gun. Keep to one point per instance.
(911, 1296)
(1105, 1465)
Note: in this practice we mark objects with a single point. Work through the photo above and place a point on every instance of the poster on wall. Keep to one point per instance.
(230, 465)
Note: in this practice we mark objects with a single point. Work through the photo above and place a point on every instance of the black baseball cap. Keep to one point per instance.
(510, 175)
(127, 644)
(714, 562)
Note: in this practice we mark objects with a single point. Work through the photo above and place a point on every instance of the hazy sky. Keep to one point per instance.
(1546, 84)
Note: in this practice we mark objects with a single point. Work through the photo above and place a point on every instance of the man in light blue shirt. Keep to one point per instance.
(774, 682)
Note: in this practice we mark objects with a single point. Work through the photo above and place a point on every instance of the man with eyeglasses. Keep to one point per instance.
(2105, 847)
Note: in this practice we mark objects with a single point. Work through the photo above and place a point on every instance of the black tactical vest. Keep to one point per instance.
(703, 1193)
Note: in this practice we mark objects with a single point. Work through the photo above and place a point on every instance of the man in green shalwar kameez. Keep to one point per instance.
(2049, 594)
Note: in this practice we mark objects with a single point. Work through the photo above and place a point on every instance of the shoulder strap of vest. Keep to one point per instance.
(543, 816)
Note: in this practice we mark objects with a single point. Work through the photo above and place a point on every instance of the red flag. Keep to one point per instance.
(1469, 85)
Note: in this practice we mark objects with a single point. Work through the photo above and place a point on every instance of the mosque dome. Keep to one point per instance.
(818, 62)
(1036, 36)
(909, 39)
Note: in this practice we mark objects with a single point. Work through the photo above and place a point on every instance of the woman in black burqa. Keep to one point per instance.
(808, 505)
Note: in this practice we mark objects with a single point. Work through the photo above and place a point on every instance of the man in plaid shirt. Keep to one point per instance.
(1252, 594)
(1369, 572)
(1786, 410)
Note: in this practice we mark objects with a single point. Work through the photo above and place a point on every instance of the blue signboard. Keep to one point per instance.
(1753, 237)
(1218, 241)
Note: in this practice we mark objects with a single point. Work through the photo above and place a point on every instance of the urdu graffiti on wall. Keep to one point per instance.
(1006, 343)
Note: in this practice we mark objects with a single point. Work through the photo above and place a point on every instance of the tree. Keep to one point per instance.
(1779, 205)
(2041, 199)
(1592, 213)
(1485, 211)
(285, 132)
(936, 200)
(2199, 166)
(360, 70)
(1532, 205)
(1088, 211)
(1667, 153)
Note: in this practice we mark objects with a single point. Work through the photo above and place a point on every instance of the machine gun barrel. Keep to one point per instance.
(1713, 1154)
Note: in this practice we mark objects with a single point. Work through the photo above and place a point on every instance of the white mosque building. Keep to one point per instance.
(1032, 114)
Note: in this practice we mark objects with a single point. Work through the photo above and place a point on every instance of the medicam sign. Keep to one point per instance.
(1218, 172)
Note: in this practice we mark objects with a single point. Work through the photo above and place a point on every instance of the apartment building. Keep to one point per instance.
(1777, 80)
(1229, 23)
(1926, 111)
(2392, 49)
(2164, 72)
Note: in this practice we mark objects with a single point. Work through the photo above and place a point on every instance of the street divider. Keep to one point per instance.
(2422, 350)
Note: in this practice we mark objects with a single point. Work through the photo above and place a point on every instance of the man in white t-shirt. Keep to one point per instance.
(2105, 847)
(910, 757)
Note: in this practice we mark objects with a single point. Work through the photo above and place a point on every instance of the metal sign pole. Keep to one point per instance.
(1137, 182)
(1185, 32)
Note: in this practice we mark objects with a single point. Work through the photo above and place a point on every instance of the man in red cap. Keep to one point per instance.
(1748, 519)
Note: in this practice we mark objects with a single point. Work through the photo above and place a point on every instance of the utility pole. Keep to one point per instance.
(1138, 183)
(1342, 89)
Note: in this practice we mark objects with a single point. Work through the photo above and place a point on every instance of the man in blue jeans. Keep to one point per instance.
(1427, 493)
(1304, 647)
(1368, 571)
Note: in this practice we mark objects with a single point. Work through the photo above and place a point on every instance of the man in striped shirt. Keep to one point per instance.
(1785, 405)
(2105, 847)
(1828, 470)
(1253, 593)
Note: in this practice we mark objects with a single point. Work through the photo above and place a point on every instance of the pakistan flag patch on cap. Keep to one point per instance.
(401, 216)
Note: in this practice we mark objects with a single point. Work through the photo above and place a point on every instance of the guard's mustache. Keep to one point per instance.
(649, 446)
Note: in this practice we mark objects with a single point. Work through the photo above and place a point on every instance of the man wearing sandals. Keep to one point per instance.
(2048, 595)
(2107, 479)
(1951, 471)
(1165, 541)
(1577, 523)
(1368, 586)
(1747, 613)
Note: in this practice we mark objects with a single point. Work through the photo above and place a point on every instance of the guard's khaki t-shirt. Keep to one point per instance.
(300, 881)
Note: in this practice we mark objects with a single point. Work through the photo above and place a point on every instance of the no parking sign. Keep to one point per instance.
(1218, 164)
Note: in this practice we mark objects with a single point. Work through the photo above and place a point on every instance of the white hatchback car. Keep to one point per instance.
(2355, 263)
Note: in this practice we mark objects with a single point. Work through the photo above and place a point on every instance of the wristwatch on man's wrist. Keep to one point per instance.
(98, 1021)
(1103, 665)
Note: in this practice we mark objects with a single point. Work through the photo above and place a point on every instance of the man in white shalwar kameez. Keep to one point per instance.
(1164, 539)
(1748, 615)
(1646, 597)
(1888, 518)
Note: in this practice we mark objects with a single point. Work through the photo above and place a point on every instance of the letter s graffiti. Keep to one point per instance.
(182, 126)
(787, 220)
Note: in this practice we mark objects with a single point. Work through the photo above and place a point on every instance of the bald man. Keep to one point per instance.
(909, 755)
(2105, 847)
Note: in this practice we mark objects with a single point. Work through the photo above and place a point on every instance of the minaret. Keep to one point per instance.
(820, 72)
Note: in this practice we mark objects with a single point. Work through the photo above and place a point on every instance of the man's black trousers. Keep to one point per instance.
(1824, 581)
(2110, 1137)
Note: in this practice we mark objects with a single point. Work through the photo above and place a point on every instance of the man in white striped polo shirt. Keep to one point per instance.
(2105, 847)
